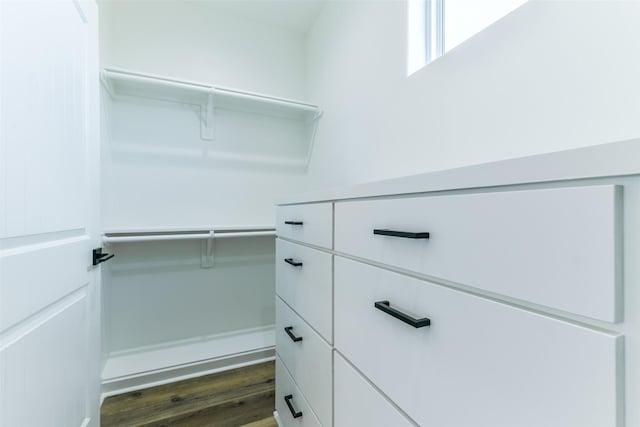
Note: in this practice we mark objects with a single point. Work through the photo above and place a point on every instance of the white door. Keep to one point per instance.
(49, 152)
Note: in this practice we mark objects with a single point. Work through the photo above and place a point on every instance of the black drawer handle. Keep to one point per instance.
(294, 338)
(293, 222)
(292, 262)
(294, 414)
(416, 323)
(405, 234)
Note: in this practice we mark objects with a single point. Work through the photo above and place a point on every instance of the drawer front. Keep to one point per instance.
(307, 359)
(308, 288)
(480, 363)
(357, 403)
(286, 388)
(312, 224)
(554, 247)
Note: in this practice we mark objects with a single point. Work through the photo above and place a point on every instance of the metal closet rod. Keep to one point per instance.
(182, 235)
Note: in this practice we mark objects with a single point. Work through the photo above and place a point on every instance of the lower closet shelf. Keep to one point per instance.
(146, 361)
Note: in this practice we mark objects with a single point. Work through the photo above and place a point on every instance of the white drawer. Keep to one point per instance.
(312, 224)
(286, 390)
(308, 288)
(480, 363)
(308, 360)
(359, 404)
(554, 247)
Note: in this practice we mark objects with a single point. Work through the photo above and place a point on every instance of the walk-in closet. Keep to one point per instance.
(319, 213)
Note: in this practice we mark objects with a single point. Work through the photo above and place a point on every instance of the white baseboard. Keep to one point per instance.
(277, 418)
(148, 367)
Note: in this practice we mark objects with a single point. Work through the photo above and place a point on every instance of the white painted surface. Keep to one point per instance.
(465, 18)
(142, 362)
(308, 289)
(276, 130)
(308, 361)
(317, 224)
(297, 15)
(123, 82)
(529, 84)
(202, 41)
(605, 160)
(607, 164)
(47, 360)
(49, 292)
(157, 171)
(285, 386)
(554, 247)
(157, 292)
(357, 403)
(505, 366)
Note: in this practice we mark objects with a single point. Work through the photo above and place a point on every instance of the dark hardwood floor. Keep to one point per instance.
(240, 397)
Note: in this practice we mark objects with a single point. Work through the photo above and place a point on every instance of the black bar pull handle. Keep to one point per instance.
(405, 234)
(100, 257)
(409, 320)
(294, 414)
(292, 262)
(294, 338)
(293, 222)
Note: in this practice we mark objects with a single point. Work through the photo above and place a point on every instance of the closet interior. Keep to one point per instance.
(193, 157)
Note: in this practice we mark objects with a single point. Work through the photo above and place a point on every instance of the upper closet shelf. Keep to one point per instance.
(210, 98)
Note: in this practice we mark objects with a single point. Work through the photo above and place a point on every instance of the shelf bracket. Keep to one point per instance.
(207, 258)
(314, 130)
(207, 119)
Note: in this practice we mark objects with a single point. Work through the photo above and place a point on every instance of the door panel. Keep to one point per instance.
(49, 291)
(43, 382)
(44, 52)
(46, 273)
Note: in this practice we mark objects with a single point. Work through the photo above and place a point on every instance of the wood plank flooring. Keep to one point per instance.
(240, 397)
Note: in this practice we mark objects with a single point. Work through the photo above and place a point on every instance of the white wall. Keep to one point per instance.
(552, 75)
(156, 173)
(158, 293)
(154, 170)
(203, 41)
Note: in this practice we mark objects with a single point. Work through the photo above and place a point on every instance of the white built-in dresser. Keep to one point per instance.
(496, 295)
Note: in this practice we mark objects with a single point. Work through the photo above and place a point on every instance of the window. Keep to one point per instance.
(437, 26)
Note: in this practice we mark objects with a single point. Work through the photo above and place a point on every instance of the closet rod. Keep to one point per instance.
(148, 237)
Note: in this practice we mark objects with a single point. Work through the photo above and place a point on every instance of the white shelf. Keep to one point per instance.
(206, 234)
(179, 229)
(209, 97)
(199, 233)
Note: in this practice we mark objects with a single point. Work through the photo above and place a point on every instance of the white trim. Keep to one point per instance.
(276, 416)
(180, 373)
(80, 9)
(23, 328)
(86, 422)
(150, 360)
(26, 244)
(437, 22)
